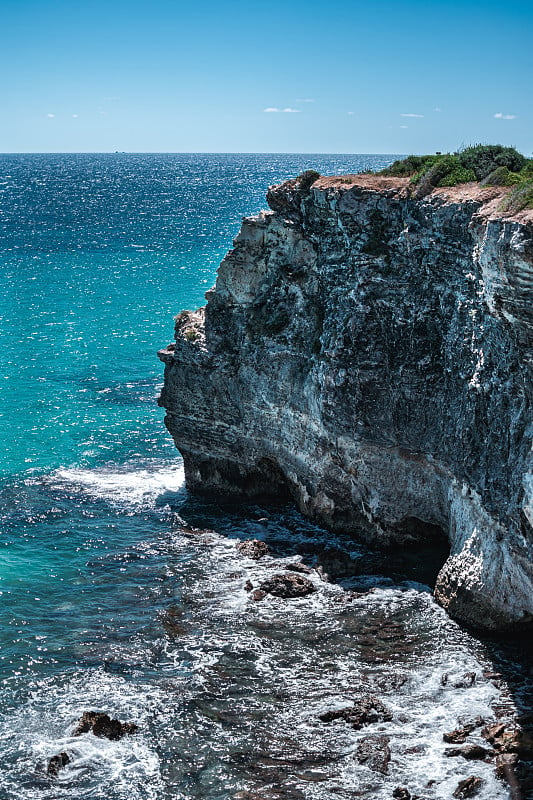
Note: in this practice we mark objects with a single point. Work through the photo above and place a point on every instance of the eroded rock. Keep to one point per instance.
(103, 726)
(468, 788)
(57, 763)
(299, 567)
(354, 325)
(401, 793)
(473, 752)
(253, 548)
(459, 735)
(374, 751)
(288, 586)
(509, 740)
(364, 712)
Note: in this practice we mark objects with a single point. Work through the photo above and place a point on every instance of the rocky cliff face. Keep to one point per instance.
(370, 355)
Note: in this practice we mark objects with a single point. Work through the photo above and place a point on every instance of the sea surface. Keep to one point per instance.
(121, 593)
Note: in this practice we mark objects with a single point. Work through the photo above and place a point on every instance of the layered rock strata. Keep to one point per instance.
(370, 355)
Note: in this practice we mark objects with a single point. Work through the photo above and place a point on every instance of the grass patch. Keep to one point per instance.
(518, 198)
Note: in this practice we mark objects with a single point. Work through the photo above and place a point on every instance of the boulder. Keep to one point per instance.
(288, 586)
(472, 752)
(103, 726)
(364, 712)
(253, 548)
(374, 751)
(468, 788)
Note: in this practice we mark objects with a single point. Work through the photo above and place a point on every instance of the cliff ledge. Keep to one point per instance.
(370, 355)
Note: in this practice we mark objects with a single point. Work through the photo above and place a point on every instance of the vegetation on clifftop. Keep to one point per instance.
(490, 164)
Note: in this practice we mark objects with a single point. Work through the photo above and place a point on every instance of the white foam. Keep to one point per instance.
(127, 484)
(129, 768)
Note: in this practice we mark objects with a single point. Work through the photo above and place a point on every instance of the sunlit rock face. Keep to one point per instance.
(370, 356)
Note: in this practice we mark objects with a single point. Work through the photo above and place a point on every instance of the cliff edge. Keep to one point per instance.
(370, 355)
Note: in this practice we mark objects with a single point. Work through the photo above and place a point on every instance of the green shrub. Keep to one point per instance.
(484, 158)
(191, 334)
(444, 171)
(458, 175)
(494, 165)
(305, 180)
(526, 173)
(518, 198)
(406, 167)
(501, 176)
(428, 179)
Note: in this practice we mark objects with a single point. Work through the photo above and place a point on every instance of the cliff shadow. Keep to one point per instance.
(343, 557)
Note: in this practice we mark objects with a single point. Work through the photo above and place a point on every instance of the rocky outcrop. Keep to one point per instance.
(370, 356)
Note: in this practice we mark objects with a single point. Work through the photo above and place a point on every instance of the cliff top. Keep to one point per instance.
(489, 197)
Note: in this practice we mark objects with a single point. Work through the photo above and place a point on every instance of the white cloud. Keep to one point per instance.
(308, 100)
(75, 116)
(351, 112)
(281, 110)
(499, 115)
(50, 116)
(437, 109)
(411, 115)
(404, 126)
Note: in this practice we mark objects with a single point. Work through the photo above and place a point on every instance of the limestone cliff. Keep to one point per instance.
(371, 356)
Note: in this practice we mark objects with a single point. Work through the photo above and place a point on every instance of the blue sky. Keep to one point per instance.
(318, 77)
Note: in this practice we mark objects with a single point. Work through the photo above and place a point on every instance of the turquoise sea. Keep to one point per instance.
(121, 593)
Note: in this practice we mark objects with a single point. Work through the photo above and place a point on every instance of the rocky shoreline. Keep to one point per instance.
(369, 355)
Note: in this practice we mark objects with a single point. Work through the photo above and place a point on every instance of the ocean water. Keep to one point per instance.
(121, 593)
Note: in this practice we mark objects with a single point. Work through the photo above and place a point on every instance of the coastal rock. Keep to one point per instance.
(374, 751)
(364, 712)
(370, 356)
(288, 586)
(472, 752)
(57, 763)
(299, 567)
(103, 726)
(510, 740)
(401, 793)
(468, 788)
(253, 548)
(457, 736)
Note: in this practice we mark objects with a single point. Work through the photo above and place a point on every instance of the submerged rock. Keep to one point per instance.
(103, 726)
(299, 567)
(288, 586)
(57, 763)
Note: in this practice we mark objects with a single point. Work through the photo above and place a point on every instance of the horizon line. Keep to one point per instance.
(186, 153)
